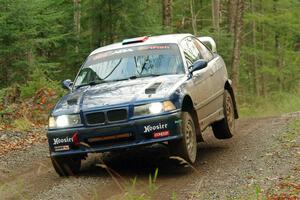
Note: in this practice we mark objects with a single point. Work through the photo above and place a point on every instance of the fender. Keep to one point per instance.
(228, 86)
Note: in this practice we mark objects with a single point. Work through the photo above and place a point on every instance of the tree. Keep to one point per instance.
(254, 57)
(193, 17)
(77, 17)
(167, 13)
(54, 37)
(238, 28)
(216, 14)
(232, 13)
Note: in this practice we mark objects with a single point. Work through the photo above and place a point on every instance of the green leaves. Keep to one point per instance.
(43, 35)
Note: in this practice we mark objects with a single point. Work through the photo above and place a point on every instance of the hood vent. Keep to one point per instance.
(72, 101)
(152, 89)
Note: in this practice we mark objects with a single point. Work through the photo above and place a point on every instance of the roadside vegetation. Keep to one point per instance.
(271, 105)
(44, 42)
(47, 41)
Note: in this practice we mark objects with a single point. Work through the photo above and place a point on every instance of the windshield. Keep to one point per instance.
(132, 62)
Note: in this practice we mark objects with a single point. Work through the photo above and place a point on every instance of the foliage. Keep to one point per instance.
(22, 124)
(133, 193)
(39, 81)
(41, 43)
(274, 104)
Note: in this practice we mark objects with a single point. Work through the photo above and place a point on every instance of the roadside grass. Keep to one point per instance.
(17, 189)
(137, 190)
(272, 105)
(22, 124)
(133, 193)
(293, 131)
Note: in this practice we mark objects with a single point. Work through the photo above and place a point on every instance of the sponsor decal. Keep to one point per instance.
(178, 121)
(121, 51)
(161, 134)
(159, 47)
(150, 128)
(57, 141)
(62, 148)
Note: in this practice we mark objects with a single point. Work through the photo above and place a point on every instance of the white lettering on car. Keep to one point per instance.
(57, 141)
(121, 51)
(150, 128)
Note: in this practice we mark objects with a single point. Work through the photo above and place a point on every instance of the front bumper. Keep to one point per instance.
(156, 129)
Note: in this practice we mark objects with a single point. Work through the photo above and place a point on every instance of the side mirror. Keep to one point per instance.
(199, 64)
(67, 84)
(210, 42)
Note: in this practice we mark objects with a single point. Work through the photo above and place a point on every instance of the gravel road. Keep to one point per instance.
(262, 158)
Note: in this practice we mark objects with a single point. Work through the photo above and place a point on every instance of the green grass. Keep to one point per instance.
(22, 124)
(132, 193)
(275, 104)
(292, 132)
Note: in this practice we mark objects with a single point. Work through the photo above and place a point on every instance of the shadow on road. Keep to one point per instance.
(144, 161)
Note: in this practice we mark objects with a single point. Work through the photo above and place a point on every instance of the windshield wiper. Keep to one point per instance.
(129, 78)
(136, 77)
(91, 83)
(154, 75)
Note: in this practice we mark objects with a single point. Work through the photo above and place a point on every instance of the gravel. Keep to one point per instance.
(258, 156)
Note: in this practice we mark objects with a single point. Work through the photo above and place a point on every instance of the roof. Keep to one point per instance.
(170, 38)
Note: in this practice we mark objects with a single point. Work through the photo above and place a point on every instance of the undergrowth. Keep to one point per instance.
(272, 105)
(39, 81)
(22, 124)
(22, 106)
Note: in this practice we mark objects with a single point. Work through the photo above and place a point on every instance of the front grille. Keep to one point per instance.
(122, 138)
(117, 115)
(95, 118)
(110, 116)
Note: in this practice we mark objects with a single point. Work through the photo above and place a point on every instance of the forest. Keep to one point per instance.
(43, 42)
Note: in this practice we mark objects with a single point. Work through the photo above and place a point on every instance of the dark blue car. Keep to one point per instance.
(160, 89)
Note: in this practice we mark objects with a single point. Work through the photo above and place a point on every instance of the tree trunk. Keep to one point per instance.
(77, 16)
(262, 77)
(232, 13)
(201, 16)
(194, 17)
(238, 28)
(111, 35)
(278, 51)
(254, 60)
(167, 13)
(215, 7)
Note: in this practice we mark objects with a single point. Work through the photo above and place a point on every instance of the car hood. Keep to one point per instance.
(119, 92)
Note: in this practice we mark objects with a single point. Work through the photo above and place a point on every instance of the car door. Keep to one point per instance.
(217, 75)
(200, 83)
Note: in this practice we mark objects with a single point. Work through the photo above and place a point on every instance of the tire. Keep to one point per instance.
(66, 166)
(224, 129)
(186, 148)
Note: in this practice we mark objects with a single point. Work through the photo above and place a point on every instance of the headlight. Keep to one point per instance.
(156, 108)
(153, 108)
(63, 121)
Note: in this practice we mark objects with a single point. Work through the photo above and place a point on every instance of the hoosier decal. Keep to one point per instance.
(57, 141)
(157, 127)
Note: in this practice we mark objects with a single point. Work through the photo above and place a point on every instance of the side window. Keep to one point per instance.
(190, 50)
(206, 54)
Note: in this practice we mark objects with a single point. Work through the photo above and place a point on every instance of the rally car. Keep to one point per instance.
(154, 89)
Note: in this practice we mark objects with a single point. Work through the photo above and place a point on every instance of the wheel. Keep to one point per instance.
(186, 148)
(66, 166)
(224, 129)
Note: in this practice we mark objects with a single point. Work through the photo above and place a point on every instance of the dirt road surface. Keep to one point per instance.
(262, 158)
